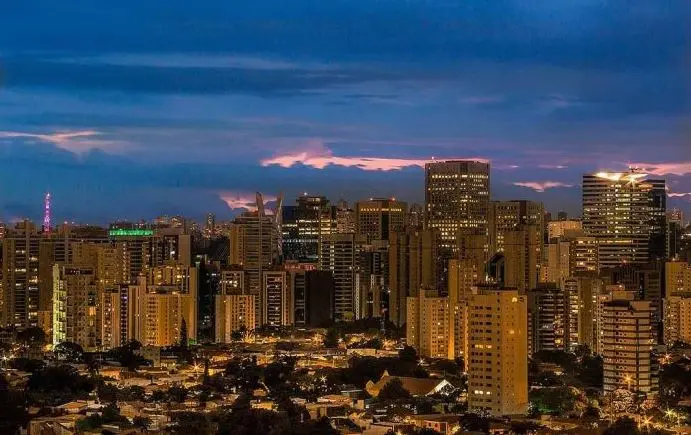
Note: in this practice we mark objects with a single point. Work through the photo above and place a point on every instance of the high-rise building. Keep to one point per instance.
(256, 248)
(313, 297)
(625, 212)
(373, 274)
(457, 196)
(497, 360)
(338, 256)
(427, 325)
(234, 307)
(416, 217)
(413, 257)
(377, 219)
(76, 310)
(523, 257)
(677, 278)
(628, 337)
(277, 308)
(581, 296)
(677, 320)
(507, 216)
(162, 303)
(556, 229)
(547, 318)
(20, 276)
(303, 226)
(345, 218)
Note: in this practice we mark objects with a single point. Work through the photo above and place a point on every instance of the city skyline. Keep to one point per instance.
(122, 120)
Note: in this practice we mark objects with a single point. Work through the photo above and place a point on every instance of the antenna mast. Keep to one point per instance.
(46, 214)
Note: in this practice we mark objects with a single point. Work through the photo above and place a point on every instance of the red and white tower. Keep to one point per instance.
(46, 214)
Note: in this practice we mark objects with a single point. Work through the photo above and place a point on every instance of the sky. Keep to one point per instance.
(134, 109)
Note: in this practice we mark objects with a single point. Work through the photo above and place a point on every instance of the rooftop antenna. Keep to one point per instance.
(46, 214)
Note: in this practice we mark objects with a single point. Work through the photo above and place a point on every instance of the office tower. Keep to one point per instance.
(625, 213)
(522, 257)
(313, 297)
(413, 257)
(76, 316)
(464, 276)
(162, 303)
(278, 303)
(20, 275)
(497, 360)
(416, 217)
(427, 324)
(303, 226)
(675, 234)
(628, 338)
(557, 229)
(338, 256)
(456, 198)
(234, 309)
(507, 216)
(345, 218)
(258, 249)
(377, 219)
(547, 318)
(373, 275)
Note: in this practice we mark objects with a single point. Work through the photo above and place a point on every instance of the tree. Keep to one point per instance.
(31, 336)
(142, 422)
(183, 334)
(331, 338)
(393, 390)
(187, 423)
(177, 394)
(408, 353)
(623, 426)
(68, 351)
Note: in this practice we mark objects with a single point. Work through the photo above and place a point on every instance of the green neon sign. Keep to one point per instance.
(130, 233)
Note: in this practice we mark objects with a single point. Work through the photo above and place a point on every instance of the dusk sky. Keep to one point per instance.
(137, 108)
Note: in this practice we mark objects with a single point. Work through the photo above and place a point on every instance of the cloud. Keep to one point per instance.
(318, 156)
(541, 186)
(552, 166)
(677, 168)
(482, 100)
(243, 200)
(76, 142)
(679, 195)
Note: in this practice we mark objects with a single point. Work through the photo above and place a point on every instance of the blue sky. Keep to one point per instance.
(132, 109)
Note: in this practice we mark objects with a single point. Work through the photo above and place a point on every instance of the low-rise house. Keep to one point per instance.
(415, 386)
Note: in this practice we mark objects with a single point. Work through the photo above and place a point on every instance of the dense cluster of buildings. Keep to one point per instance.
(489, 281)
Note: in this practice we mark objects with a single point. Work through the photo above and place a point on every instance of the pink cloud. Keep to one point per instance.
(318, 156)
(679, 195)
(677, 168)
(76, 142)
(243, 200)
(552, 166)
(541, 186)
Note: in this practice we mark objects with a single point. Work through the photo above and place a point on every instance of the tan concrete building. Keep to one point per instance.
(628, 337)
(428, 324)
(523, 257)
(497, 360)
(76, 316)
(507, 216)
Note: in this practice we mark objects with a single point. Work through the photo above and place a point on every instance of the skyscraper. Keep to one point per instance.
(76, 310)
(457, 196)
(338, 256)
(523, 257)
(377, 219)
(303, 226)
(625, 212)
(277, 307)
(234, 308)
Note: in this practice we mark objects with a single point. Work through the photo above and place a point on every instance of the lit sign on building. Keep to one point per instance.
(130, 233)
